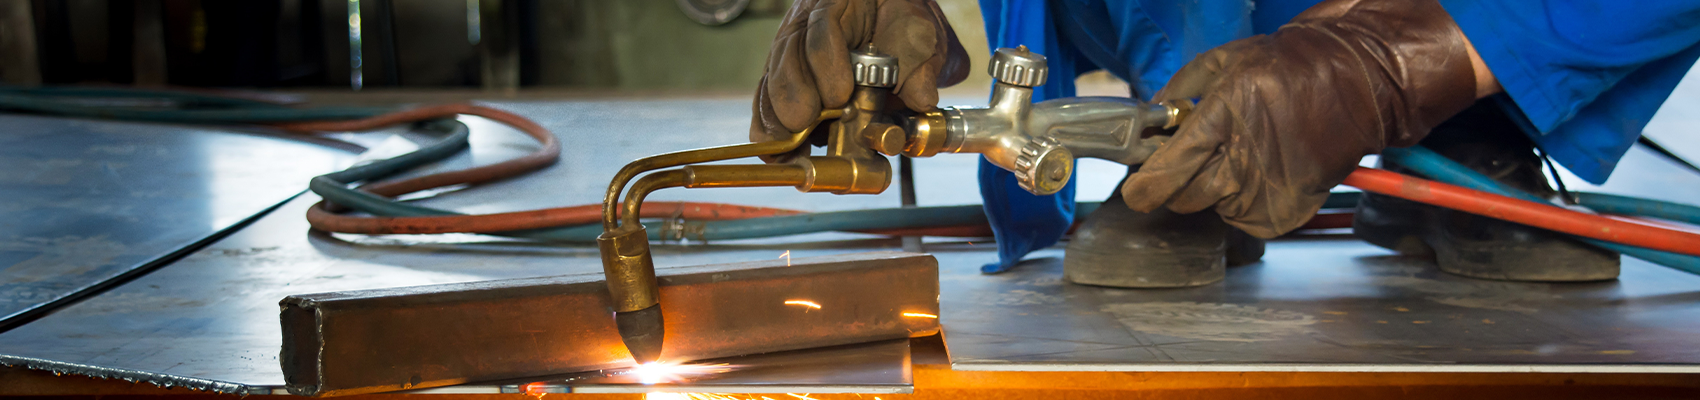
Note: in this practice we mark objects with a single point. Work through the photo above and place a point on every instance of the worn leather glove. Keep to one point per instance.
(808, 67)
(1284, 117)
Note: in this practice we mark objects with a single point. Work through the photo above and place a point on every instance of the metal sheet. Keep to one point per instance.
(209, 320)
(1336, 305)
(1323, 305)
(90, 202)
(427, 336)
(211, 317)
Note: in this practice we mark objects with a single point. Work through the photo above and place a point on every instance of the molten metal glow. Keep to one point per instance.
(804, 303)
(666, 372)
(689, 396)
(920, 315)
(714, 396)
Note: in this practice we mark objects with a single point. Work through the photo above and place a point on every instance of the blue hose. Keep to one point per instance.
(1624, 205)
(1435, 166)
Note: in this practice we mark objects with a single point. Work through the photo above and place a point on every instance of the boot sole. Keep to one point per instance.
(1144, 270)
(1566, 261)
(1576, 262)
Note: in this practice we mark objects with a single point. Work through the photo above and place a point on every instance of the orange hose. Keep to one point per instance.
(1529, 213)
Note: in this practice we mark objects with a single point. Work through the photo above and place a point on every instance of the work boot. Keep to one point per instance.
(1485, 140)
(1119, 247)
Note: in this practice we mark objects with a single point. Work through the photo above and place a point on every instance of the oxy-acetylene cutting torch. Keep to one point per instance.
(1036, 141)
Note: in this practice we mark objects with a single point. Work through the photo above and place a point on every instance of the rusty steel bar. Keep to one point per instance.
(427, 336)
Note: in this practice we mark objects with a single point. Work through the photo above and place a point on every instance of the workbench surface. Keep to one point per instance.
(1317, 303)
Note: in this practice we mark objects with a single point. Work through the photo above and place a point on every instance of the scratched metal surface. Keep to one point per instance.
(210, 319)
(86, 202)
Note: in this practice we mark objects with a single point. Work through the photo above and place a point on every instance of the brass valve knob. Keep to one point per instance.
(870, 68)
(1018, 67)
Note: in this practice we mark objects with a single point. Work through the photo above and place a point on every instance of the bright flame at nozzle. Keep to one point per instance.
(671, 372)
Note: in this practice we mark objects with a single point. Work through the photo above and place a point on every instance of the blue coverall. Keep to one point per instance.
(1583, 77)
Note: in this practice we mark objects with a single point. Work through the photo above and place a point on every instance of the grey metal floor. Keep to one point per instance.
(210, 320)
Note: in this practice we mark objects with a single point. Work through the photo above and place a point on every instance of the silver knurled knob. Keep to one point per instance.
(1043, 166)
(870, 68)
(1018, 67)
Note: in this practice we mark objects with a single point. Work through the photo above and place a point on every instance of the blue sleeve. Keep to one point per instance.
(1021, 221)
(1586, 75)
(1142, 41)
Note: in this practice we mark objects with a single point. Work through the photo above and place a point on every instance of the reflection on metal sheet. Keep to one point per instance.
(87, 202)
(880, 367)
(1323, 305)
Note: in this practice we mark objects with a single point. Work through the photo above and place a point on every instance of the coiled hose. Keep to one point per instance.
(706, 221)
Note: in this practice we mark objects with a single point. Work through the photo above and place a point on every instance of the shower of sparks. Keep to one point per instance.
(804, 303)
(689, 396)
(804, 396)
(787, 257)
(920, 315)
(667, 372)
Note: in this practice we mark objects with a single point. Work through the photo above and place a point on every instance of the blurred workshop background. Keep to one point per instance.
(327, 47)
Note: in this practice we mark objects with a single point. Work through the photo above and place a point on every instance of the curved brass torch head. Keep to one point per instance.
(631, 285)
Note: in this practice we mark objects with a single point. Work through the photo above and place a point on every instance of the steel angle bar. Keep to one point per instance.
(428, 336)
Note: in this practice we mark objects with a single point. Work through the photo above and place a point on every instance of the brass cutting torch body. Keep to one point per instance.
(1038, 142)
(624, 244)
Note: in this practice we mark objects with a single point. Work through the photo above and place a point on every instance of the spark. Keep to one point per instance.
(804, 303)
(920, 315)
(666, 372)
(804, 396)
(534, 389)
(787, 257)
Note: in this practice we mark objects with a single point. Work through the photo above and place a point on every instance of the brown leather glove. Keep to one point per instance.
(1284, 117)
(808, 68)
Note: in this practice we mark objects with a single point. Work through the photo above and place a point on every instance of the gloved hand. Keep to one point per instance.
(1284, 117)
(808, 67)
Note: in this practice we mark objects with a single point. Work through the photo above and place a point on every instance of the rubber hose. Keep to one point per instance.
(392, 217)
(184, 97)
(44, 105)
(1431, 164)
(1625, 205)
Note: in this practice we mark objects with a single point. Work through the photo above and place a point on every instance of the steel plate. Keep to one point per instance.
(90, 202)
(210, 319)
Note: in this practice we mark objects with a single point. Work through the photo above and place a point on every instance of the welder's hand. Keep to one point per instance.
(1284, 117)
(808, 67)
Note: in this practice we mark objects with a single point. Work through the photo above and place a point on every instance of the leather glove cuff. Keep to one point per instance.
(1414, 58)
